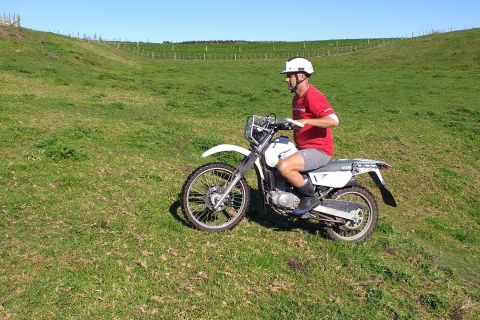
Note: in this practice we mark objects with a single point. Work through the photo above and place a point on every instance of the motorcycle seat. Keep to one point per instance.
(336, 165)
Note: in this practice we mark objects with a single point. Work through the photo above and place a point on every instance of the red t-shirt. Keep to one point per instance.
(312, 105)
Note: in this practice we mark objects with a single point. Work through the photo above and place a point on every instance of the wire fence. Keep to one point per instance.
(334, 50)
(148, 50)
(12, 20)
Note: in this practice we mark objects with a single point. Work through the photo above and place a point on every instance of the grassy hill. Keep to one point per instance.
(459, 49)
(96, 143)
(246, 46)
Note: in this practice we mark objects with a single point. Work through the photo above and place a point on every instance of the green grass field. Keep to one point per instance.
(96, 142)
(233, 50)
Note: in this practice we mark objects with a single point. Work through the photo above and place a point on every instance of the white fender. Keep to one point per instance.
(233, 148)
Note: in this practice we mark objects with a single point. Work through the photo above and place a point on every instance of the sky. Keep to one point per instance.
(257, 20)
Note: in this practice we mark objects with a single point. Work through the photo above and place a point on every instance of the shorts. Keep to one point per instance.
(314, 159)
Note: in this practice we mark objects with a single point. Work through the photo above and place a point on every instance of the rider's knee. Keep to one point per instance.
(283, 166)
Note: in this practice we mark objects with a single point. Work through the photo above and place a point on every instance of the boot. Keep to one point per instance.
(309, 199)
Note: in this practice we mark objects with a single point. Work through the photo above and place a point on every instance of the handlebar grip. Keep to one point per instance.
(298, 124)
(284, 126)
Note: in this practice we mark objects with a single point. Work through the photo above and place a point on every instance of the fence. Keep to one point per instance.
(179, 54)
(204, 55)
(10, 20)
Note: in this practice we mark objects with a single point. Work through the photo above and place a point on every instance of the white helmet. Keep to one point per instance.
(298, 64)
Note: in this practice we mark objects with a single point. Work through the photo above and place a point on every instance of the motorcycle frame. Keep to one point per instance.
(255, 158)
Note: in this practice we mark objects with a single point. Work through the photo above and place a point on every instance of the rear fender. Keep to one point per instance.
(387, 196)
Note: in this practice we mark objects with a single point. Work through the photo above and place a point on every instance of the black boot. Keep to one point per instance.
(309, 199)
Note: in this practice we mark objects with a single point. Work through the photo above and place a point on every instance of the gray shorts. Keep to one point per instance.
(314, 159)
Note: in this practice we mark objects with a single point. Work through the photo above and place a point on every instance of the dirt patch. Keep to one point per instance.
(11, 31)
(297, 266)
(3, 33)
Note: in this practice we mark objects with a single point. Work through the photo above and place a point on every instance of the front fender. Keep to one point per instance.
(233, 148)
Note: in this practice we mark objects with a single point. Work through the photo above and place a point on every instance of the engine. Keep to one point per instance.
(284, 200)
(281, 197)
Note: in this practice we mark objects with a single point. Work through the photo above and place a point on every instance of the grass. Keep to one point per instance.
(97, 142)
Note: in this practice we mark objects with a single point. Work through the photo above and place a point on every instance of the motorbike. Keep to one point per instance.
(216, 196)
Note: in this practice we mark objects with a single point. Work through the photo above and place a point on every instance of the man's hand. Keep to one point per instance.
(294, 124)
(302, 121)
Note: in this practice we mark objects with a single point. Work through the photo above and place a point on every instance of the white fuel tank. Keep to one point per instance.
(280, 148)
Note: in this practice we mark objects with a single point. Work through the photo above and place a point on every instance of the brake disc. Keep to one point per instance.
(212, 197)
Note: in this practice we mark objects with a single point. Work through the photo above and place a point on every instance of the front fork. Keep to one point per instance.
(241, 171)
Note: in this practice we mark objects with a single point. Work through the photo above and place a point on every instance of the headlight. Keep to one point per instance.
(249, 128)
(254, 128)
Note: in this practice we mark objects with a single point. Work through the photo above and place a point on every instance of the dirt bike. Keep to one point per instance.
(215, 196)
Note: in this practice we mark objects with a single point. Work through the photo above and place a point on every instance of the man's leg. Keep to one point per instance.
(290, 169)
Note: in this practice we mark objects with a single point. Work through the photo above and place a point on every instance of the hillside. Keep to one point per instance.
(96, 143)
(459, 49)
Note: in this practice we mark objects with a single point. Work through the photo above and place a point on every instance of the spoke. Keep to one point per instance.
(226, 214)
(209, 179)
(197, 196)
(195, 192)
(211, 217)
(220, 178)
(196, 206)
(202, 214)
(206, 184)
(201, 182)
(207, 217)
(196, 202)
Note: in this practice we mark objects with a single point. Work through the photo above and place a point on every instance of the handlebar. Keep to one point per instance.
(287, 124)
(260, 129)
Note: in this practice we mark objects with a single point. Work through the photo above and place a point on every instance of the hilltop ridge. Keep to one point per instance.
(453, 49)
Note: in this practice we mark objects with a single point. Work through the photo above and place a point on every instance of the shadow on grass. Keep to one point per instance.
(174, 208)
(266, 218)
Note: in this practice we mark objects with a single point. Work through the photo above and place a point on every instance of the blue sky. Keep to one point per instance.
(185, 20)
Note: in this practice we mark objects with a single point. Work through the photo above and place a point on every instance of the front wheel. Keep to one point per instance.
(201, 191)
(368, 216)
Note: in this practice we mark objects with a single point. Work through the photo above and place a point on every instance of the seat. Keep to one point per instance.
(337, 165)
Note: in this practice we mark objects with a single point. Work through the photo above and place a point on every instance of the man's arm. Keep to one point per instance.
(329, 121)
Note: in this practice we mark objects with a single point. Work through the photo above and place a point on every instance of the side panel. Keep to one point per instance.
(233, 148)
(334, 179)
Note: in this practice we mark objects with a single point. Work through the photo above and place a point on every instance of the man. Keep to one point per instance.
(314, 140)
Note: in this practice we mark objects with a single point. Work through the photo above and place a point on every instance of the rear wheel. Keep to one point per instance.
(202, 190)
(368, 216)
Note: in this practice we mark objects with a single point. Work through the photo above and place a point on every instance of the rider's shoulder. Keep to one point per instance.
(314, 93)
